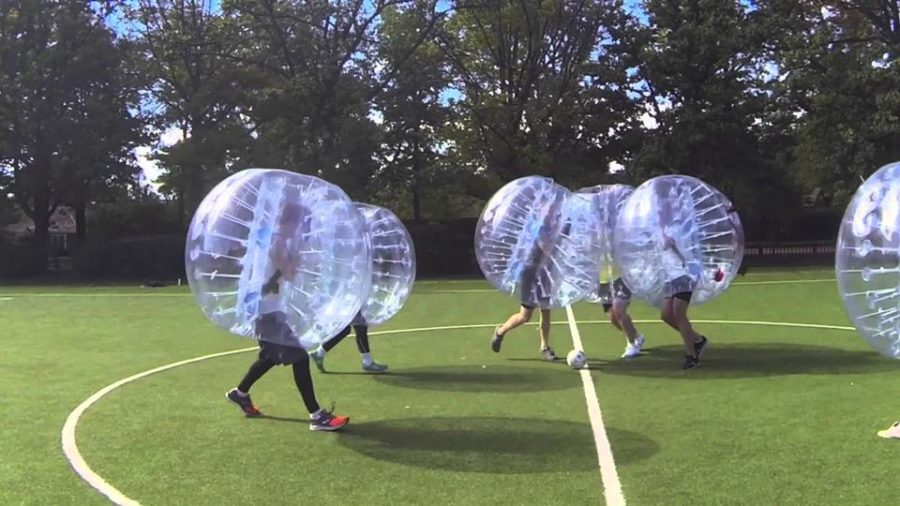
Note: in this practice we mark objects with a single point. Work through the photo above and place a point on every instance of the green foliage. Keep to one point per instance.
(413, 176)
(189, 52)
(543, 87)
(8, 212)
(842, 84)
(67, 103)
(427, 107)
(704, 66)
(313, 79)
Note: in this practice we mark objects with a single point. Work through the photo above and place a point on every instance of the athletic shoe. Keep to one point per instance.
(548, 354)
(374, 367)
(496, 341)
(326, 421)
(318, 357)
(700, 347)
(243, 402)
(690, 362)
(892, 432)
(633, 350)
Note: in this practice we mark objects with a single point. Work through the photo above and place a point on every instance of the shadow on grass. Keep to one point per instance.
(275, 418)
(475, 378)
(558, 361)
(490, 445)
(748, 360)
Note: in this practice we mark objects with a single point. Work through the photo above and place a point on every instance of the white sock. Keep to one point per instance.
(241, 394)
(313, 416)
(367, 359)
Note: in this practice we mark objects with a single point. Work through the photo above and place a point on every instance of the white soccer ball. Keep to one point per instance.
(576, 359)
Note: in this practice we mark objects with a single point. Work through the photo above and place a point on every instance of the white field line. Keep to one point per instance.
(612, 488)
(473, 290)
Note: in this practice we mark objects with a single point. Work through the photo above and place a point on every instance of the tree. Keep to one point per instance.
(105, 130)
(65, 117)
(880, 20)
(412, 113)
(188, 47)
(705, 78)
(841, 81)
(315, 73)
(7, 202)
(542, 84)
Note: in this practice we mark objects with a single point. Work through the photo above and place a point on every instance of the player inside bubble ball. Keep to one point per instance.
(535, 282)
(274, 333)
(361, 329)
(681, 274)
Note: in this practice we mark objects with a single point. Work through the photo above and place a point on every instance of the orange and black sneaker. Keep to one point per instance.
(327, 421)
(243, 401)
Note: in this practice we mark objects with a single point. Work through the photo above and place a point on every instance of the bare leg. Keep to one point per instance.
(614, 320)
(688, 335)
(668, 316)
(667, 313)
(515, 321)
(545, 329)
(620, 312)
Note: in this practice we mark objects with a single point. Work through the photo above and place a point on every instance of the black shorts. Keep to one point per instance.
(530, 287)
(685, 296)
(608, 292)
(276, 340)
(679, 286)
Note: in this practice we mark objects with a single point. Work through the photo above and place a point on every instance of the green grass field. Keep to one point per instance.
(776, 414)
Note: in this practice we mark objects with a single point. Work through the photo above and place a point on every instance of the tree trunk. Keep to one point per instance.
(181, 207)
(416, 184)
(41, 231)
(41, 209)
(417, 205)
(80, 220)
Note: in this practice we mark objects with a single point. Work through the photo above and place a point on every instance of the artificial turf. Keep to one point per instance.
(775, 415)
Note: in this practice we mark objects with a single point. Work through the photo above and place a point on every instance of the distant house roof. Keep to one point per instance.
(61, 222)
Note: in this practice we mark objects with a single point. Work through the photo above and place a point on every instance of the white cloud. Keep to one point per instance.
(376, 116)
(883, 63)
(171, 136)
(648, 119)
(771, 71)
(151, 168)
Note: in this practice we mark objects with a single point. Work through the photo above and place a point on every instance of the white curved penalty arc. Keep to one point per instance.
(97, 482)
(70, 447)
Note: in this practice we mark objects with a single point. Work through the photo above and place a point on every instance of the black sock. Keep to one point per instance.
(362, 338)
(334, 341)
(256, 371)
(303, 379)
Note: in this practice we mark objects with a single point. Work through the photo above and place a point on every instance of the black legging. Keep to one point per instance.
(362, 338)
(302, 378)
